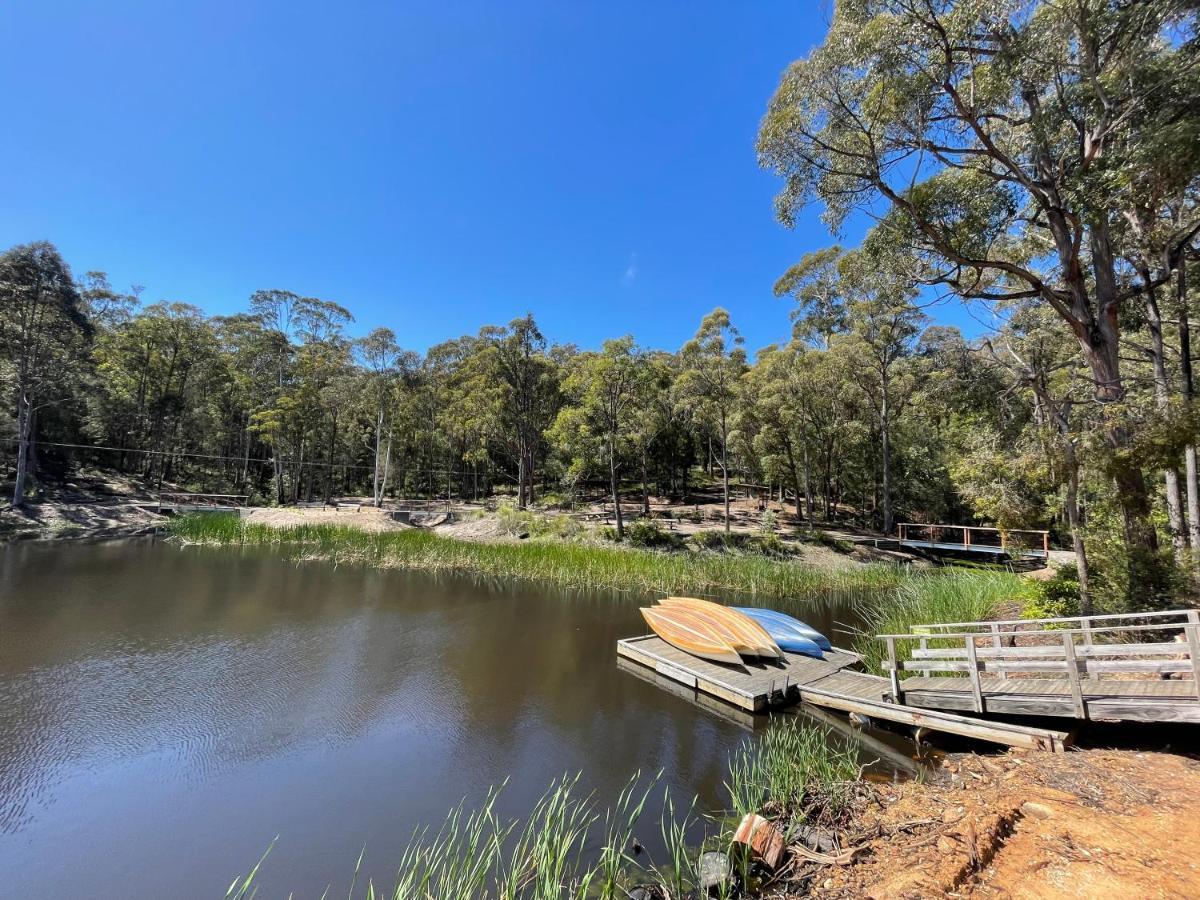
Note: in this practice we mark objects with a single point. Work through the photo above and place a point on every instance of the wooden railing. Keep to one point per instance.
(975, 538)
(1096, 646)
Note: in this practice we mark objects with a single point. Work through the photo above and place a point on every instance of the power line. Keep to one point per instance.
(251, 459)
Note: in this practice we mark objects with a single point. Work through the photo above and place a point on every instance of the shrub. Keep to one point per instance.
(645, 533)
(1056, 598)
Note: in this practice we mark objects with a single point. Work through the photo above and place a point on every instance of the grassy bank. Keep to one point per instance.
(573, 565)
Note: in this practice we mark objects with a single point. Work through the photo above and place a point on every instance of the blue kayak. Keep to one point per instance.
(774, 621)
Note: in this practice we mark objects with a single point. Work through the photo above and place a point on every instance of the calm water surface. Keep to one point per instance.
(166, 712)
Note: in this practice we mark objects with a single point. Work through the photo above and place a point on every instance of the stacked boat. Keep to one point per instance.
(731, 635)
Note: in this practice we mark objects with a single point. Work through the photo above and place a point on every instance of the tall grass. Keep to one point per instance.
(950, 595)
(794, 772)
(566, 564)
(544, 855)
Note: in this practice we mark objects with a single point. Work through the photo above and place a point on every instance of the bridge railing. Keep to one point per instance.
(1099, 646)
(976, 538)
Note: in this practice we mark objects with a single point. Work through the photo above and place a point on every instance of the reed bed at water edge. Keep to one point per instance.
(571, 847)
(573, 565)
(953, 595)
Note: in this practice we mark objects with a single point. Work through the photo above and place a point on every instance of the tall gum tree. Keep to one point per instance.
(988, 134)
(42, 324)
(713, 364)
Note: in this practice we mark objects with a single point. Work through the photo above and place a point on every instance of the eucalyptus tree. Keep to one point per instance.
(607, 390)
(992, 132)
(516, 357)
(43, 329)
(379, 353)
(713, 364)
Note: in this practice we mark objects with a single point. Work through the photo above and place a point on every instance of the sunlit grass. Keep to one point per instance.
(950, 595)
(794, 771)
(566, 564)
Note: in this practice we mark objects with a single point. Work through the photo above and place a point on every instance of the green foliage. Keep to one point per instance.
(954, 595)
(569, 564)
(1054, 598)
(792, 771)
(647, 533)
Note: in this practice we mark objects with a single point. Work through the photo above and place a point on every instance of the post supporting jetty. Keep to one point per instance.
(1142, 667)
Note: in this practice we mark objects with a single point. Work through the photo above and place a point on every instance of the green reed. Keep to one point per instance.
(572, 565)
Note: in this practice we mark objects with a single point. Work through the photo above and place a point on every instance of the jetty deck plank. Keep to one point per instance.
(828, 682)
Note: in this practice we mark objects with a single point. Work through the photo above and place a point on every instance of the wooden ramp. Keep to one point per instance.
(757, 687)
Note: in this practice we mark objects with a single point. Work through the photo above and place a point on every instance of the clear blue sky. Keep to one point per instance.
(433, 166)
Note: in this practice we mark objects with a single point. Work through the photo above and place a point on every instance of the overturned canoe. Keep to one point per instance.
(689, 632)
(749, 636)
(782, 623)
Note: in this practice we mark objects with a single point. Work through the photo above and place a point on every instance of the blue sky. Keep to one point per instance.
(431, 166)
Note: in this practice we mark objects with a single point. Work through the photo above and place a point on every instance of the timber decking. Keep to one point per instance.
(829, 683)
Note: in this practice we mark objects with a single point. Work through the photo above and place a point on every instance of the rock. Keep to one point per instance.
(713, 870)
(815, 839)
(762, 839)
(1036, 810)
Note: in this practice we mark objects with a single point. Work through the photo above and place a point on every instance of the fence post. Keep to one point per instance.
(893, 675)
(973, 672)
(1193, 633)
(1085, 622)
(1073, 674)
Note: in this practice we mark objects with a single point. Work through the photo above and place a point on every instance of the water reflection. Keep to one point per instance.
(165, 713)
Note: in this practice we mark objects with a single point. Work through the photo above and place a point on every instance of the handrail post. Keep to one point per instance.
(1193, 633)
(893, 674)
(996, 645)
(1073, 675)
(1085, 623)
(973, 672)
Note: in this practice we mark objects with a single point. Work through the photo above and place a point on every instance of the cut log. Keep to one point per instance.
(762, 838)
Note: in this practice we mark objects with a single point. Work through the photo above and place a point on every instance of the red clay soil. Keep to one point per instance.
(1086, 824)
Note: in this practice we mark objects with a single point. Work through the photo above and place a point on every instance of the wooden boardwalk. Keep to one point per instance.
(1142, 667)
(757, 687)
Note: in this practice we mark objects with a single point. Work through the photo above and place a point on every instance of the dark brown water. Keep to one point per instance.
(166, 713)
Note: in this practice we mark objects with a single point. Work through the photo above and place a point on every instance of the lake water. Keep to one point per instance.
(167, 712)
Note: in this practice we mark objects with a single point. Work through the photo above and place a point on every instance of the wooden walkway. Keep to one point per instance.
(1142, 667)
(757, 687)
(971, 539)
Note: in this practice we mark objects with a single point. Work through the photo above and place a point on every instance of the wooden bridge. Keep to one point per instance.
(1142, 667)
(973, 539)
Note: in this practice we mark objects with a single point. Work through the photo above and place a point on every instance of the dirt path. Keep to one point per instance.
(1087, 824)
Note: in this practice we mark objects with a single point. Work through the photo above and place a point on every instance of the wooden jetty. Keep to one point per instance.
(971, 539)
(758, 687)
(1139, 667)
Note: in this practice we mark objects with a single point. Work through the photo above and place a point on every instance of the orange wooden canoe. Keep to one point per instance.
(690, 633)
(749, 637)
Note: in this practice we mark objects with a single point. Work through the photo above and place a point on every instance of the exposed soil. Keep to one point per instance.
(91, 505)
(1086, 824)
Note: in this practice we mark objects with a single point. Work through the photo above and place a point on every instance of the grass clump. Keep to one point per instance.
(565, 848)
(953, 595)
(794, 773)
(575, 565)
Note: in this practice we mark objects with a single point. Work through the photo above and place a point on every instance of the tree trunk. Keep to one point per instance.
(885, 427)
(1162, 400)
(1191, 476)
(645, 487)
(616, 489)
(24, 428)
(725, 470)
(376, 492)
(1081, 563)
